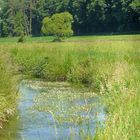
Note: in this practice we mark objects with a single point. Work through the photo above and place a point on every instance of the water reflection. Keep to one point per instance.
(40, 110)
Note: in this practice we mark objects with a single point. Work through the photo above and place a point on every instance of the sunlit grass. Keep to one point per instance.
(7, 90)
(107, 65)
(78, 39)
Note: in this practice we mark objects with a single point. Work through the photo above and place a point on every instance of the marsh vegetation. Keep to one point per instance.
(103, 66)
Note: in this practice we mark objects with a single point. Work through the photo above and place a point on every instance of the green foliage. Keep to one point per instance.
(13, 18)
(39, 70)
(110, 66)
(136, 5)
(89, 16)
(19, 24)
(122, 100)
(7, 90)
(59, 25)
(21, 39)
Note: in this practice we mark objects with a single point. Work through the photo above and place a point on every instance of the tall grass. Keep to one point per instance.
(108, 65)
(7, 90)
(121, 95)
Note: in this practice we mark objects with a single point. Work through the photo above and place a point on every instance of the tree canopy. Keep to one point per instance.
(59, 25)
(90, 16)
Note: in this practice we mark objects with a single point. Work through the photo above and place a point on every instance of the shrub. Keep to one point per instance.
(59, 25)
(21, 39)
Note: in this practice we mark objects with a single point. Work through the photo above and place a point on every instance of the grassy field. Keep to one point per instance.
(109, 65)
(110, 38)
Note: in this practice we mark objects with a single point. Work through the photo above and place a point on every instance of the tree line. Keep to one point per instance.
(90, 16)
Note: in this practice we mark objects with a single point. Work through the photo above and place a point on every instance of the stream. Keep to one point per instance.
(54, 112)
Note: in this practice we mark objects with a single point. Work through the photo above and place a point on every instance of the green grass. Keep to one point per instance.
(7, 90)
(109, 65)
(11, 40)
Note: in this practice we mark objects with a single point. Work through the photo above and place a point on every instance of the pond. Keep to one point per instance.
(55, 111)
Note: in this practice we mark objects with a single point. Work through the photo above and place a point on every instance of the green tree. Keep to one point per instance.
(89, 16)
(19, 24)
(59, 25)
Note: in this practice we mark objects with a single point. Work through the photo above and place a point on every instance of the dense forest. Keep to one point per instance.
(90, 16)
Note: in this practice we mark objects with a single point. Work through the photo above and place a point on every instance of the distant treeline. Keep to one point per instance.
(90, 16)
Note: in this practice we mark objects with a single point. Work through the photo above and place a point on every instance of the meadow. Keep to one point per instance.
(107, 65)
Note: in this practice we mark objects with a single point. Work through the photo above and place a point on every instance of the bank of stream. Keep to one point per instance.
(55, 111)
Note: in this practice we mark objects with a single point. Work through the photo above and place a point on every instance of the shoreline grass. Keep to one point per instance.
(7, 90)
(110, 65)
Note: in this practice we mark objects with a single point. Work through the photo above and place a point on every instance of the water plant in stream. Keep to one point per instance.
(80, 111)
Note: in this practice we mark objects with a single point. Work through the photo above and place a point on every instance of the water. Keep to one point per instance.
(51, 113)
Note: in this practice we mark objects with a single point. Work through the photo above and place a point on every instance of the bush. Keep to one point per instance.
(21, 39)
(40, 69)
(59, 25)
